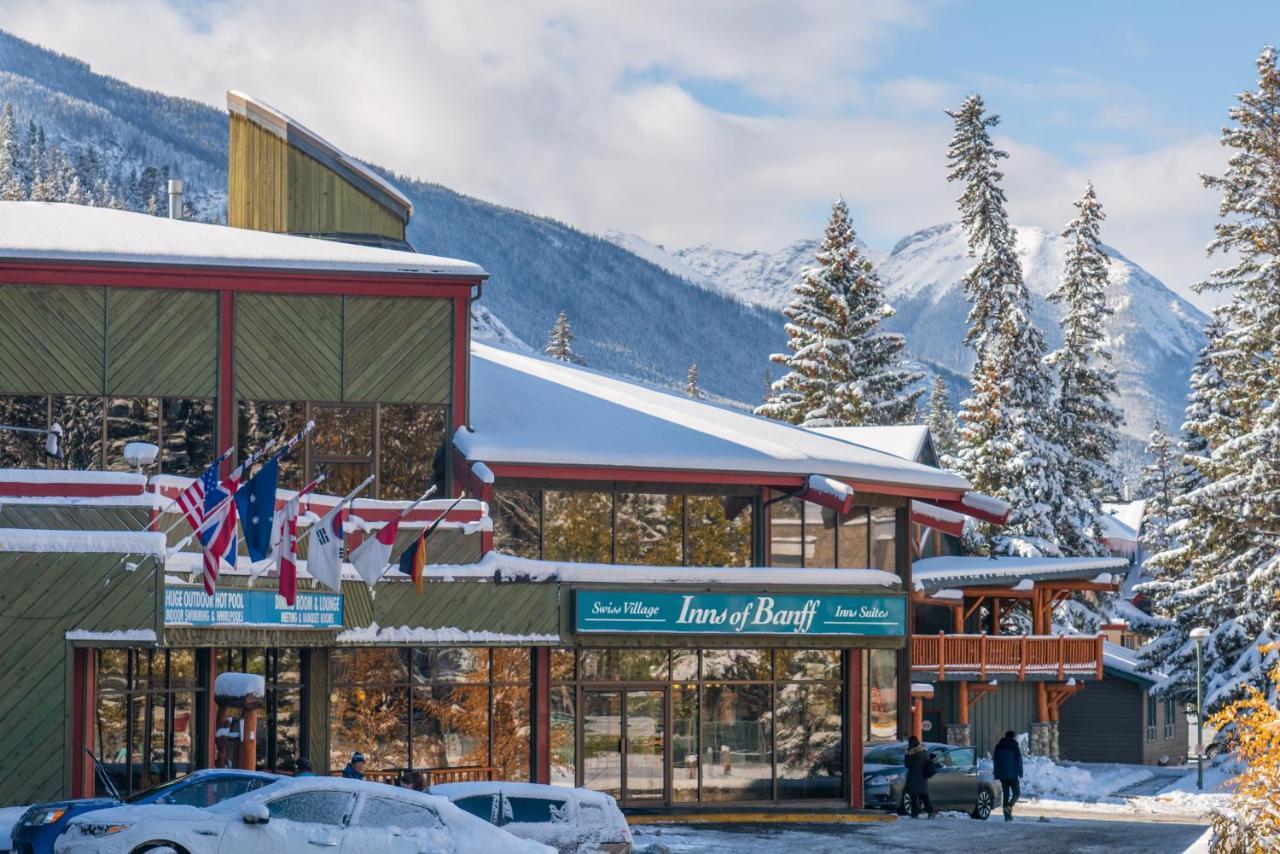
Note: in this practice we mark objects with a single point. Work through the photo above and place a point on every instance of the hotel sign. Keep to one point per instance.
(662, 612)
(191, 606)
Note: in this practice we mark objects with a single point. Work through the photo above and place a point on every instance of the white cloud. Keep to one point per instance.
(574, 109)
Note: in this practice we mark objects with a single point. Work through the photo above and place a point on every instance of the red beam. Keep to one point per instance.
(954, 505)
(255, 279)
(69, 489)
(543, 471)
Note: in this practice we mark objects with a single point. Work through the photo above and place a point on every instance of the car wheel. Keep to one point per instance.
(904, 804)
(986, 801)
(159, 848)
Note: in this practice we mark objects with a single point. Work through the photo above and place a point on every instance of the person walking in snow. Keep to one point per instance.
(355, 768)
(1006, 760)
(919, 770)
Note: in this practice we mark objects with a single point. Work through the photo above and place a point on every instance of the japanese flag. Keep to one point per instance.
(324, 550)
(372, 557)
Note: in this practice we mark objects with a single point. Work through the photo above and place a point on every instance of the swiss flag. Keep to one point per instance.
(373, 556)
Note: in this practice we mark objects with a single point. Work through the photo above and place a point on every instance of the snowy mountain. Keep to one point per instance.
(1155, 333)
(630, 316)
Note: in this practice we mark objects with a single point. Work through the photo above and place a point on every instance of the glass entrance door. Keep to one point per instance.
(624, 743)
(646, 739)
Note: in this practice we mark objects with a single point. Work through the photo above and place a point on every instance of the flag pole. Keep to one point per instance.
(421, 498)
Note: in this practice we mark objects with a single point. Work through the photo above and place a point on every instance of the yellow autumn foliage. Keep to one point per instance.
(1252, 823)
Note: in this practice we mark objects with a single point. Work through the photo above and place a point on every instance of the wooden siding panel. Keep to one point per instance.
(322, 202)
(51, 340)
(256, 178)
(288, 347)
(398, 351)
(64, 517)
(1103, 723)
(162, 343)
(44, 596)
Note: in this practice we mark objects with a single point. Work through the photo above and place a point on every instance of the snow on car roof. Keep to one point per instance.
(53, 231)
(936, 573)
(452, 791)
(535, 411)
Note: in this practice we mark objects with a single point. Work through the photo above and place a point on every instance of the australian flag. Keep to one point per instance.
(256, 501)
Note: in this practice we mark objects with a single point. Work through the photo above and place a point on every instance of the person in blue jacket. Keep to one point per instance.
(355, 768)
(1007, 762)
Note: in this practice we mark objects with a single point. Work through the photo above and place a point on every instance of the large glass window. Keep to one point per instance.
(144, 716)
(577, 526)
(281, 725)
(744, 724)
(881, 685)
(648, 530)
(517, 522)
(432, 708)
(786, 533)
(718, 530)
(819, 535)
(96, 429)
(398, 443)
(854, 548)
(884, 538)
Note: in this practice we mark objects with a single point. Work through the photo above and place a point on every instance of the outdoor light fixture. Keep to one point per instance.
(52, 437)
(1199, 634)
(140, 454)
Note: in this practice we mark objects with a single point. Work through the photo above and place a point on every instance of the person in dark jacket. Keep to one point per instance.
(355, 768)
(303, 768)
(1006, 761)
(919, 770)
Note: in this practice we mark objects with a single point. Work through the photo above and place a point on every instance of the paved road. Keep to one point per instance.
(945, 834)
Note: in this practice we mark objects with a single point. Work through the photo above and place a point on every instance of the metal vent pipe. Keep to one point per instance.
(175, 198)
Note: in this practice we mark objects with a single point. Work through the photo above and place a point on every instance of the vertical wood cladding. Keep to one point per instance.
(51, 340)
(1104, 723)
(272, 186)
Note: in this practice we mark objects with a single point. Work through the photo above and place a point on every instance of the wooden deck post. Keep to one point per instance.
(942, 656)
(962, 703)
(995, 615)
(1022, 664)
(1042, 702)
(982, 655)
(917, 717)
(1098, 652)
(1062, 652)
(957, 618)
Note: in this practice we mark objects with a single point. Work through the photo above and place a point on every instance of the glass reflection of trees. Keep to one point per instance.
(280, 722)
(647, 528)
(432, 708)
(145, 715)
(805, 534)
(747, 724)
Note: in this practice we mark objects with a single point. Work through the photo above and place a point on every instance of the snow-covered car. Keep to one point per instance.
(291, 817)
(573, 821)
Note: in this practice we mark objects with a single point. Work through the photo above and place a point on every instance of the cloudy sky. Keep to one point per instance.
(725, 121)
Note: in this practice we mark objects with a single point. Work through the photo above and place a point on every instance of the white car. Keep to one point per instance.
(304, 814)
(573, 821)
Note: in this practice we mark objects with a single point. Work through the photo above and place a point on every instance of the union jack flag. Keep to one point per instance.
(191, 500)
(218, 525)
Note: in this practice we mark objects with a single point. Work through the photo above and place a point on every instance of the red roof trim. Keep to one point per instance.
(957, 507)
(710, 478)
(69, 489)
(955, 529)
(255, 279)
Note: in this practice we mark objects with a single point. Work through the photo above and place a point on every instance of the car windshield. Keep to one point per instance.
(895, 755)
(156, 793)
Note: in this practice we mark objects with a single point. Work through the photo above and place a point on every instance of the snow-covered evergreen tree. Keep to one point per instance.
(560, 342)
(843, 368)
(12, 165)
(1086, 421)
(1229, 527)
(941, 421)
(1006, 447)
(1158, 490)
(691, 382)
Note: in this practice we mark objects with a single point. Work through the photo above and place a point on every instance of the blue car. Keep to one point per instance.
(40, 825)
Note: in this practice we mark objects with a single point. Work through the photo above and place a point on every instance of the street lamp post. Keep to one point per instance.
(1199, 634)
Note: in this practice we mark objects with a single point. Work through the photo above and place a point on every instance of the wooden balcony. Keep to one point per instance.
(980, 657)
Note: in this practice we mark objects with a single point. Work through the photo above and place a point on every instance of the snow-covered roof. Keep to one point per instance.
(504, 567)
(936, 573)
(93, 542)
(1128, 514)
(1121, 661)
(1116, 530)
(906, 441)
(52, 231)
(291, 130)
(535, 411)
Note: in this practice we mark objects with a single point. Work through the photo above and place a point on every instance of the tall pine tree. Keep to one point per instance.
(843, 368)
(560, 341)
(691, 382)
(1158, 490)
(941, 421)
(1006, 447)
(1086, 420)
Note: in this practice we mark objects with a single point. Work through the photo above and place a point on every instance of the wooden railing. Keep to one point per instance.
(433, 776)
(970, 656)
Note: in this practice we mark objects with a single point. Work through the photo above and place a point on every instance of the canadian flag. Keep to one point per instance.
(286, 546)
(373, 556)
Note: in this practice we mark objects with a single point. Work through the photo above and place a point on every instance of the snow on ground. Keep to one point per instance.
(1097, 787)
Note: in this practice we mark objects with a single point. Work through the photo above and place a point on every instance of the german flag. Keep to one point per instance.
(414, 559)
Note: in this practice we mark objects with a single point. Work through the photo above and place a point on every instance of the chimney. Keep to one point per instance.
(175, 198)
